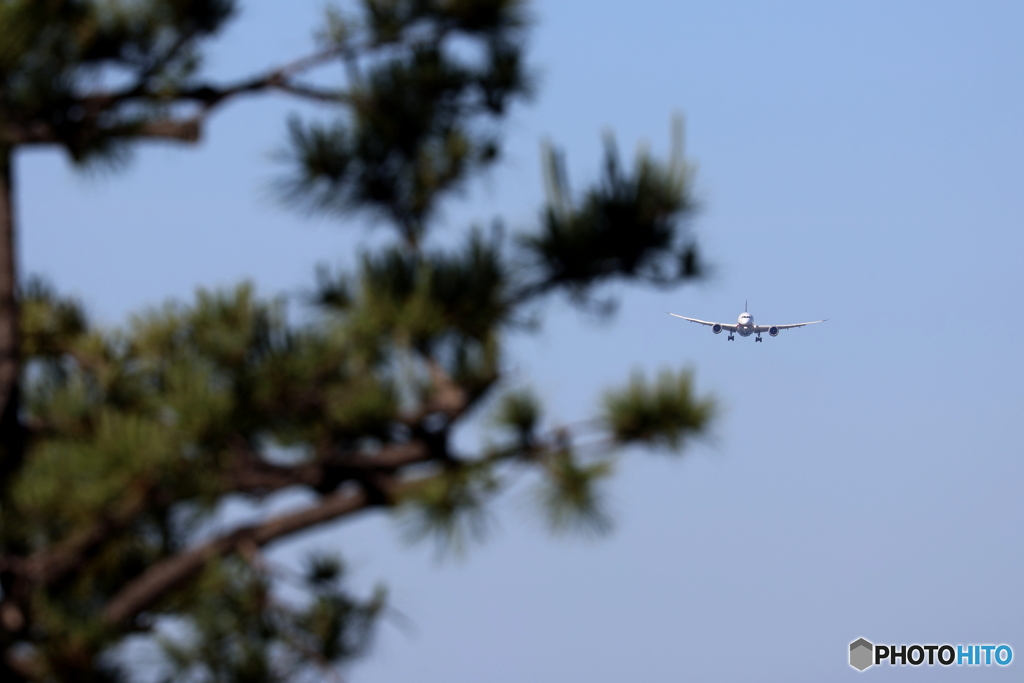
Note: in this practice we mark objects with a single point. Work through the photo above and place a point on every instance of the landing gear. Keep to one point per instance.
(731, 337)
(758, 338)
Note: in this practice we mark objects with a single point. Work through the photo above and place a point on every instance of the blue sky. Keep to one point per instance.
(862, 162)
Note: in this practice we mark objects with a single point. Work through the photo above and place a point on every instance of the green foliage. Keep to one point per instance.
(74, 479)
(664, 414)
(420, 115)
(626, 226)
(52, 53)
(244, 633)
(450, 508)
(429, 299)
(519, 411)
(569, 495)
(48, 323)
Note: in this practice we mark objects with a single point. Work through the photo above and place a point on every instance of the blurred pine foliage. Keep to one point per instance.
(133, 437)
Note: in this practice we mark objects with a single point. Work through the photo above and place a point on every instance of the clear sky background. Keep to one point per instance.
(862, 162)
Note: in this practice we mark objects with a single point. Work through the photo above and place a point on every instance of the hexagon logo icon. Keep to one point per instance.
(861, 654)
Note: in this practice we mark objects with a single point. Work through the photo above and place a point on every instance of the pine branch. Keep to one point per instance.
(162, 578)
(95, 106)
(187, 130)
(252, 474)
(206, 94)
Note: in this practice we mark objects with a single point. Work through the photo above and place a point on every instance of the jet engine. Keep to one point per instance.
(717, 329)
(773, 331)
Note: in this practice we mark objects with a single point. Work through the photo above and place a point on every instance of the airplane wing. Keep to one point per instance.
(730, 328)
(765, 328)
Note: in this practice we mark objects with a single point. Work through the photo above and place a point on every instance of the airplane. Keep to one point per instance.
(745, 325)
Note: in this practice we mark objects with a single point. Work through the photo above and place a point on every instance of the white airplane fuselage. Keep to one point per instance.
(745, 324)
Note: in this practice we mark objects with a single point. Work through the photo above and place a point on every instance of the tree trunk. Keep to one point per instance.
(11, 433)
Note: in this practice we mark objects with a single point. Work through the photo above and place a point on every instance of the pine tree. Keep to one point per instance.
(118, 444)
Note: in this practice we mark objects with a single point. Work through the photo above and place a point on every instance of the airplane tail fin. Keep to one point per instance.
(744, 305)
